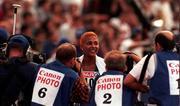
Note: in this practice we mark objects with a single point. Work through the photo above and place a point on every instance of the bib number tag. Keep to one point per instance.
(173, 69)
(108, 90)
(89, 77)
(46, 86)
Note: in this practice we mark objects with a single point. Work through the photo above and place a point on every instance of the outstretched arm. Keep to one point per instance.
(131, 82)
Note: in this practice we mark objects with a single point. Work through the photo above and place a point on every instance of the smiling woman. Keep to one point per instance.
(89, 44)
(91, 63)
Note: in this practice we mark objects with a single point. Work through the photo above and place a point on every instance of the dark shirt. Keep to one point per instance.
(19, 78)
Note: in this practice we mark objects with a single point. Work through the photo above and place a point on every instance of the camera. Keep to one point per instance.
(129, 63)
(36, 57)
(131, 59)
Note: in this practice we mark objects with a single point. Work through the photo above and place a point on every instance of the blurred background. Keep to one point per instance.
(126, 25)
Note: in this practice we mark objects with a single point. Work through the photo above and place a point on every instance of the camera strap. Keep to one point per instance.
(143, 71)
(138, 101)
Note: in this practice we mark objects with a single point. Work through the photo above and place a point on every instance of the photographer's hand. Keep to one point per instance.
(134, 56)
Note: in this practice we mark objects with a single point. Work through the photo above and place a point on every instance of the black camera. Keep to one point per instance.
(129, 63)
(36, 57)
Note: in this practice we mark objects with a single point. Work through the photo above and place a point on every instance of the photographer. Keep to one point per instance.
(20, 72)
(57, 84)
(162, 72)
(109, 89)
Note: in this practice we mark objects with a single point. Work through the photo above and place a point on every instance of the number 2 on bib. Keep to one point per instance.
(107, 97)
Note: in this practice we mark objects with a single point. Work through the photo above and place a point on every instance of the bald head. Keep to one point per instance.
(165, 39)
(65, 52)
(169, 35)
(115, 60)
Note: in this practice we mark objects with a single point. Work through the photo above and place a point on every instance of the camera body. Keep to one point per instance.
(129, 63)
(35, 56)
(32, 56)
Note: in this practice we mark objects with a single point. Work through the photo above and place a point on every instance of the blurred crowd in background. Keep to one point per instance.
(125, 25)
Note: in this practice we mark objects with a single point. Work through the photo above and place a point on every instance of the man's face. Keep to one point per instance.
(15, 52)
(90, 46)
